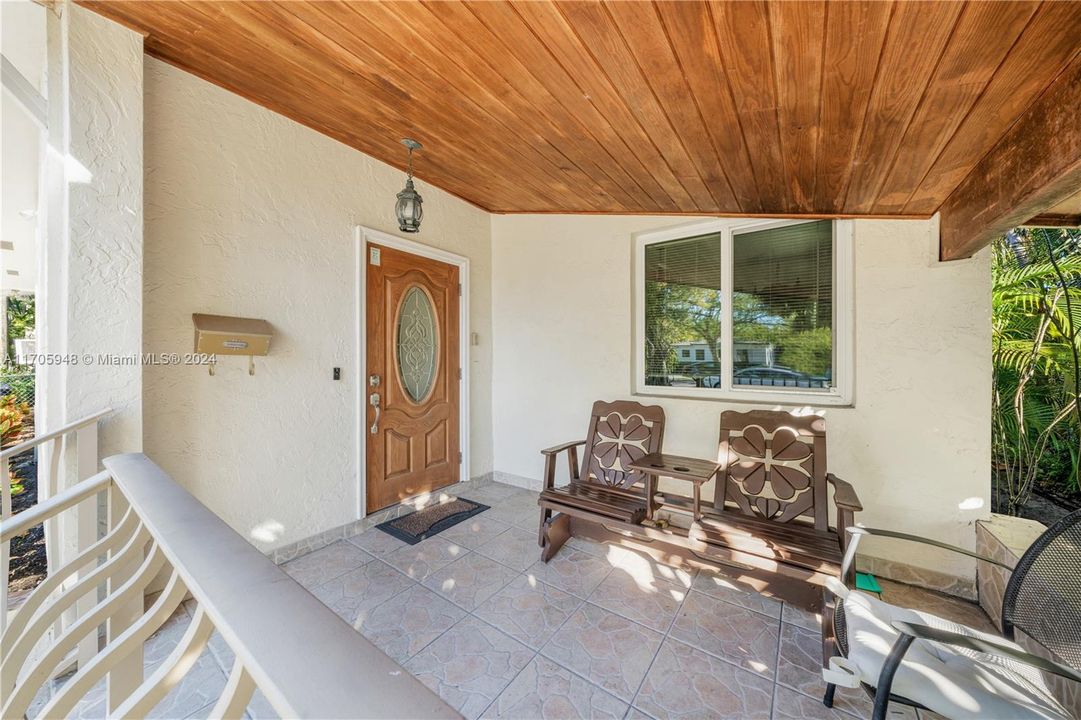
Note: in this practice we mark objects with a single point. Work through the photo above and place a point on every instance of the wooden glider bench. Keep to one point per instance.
(770, 522)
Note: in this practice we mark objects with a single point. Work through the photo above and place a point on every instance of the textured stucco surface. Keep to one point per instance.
(251, 214)
(916, 444)
(91, 295)
(105, 283)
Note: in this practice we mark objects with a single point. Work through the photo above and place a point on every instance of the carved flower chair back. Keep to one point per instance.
(620, 433)
(773, 465)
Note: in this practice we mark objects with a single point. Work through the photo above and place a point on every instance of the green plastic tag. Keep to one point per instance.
(867, 583)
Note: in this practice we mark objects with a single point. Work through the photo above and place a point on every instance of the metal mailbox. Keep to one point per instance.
(224, 335)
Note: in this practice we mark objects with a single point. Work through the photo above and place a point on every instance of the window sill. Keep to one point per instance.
(753, 397)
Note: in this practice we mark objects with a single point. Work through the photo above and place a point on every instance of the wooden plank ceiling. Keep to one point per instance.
(819, 108)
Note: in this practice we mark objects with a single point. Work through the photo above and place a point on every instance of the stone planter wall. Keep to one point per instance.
(1005, 539)
(943, 582)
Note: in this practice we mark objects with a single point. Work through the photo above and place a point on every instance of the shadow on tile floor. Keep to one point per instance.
(598, 632)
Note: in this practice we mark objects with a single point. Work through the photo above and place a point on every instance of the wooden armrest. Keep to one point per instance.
(556, 449)
(844, 495)
(550, 461)
(985, 645)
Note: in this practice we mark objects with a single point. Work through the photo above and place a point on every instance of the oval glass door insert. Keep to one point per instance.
(417, 344)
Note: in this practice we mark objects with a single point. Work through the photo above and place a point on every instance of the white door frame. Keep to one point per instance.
(363, 235)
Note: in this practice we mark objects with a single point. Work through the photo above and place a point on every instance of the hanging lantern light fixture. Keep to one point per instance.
(409, 206)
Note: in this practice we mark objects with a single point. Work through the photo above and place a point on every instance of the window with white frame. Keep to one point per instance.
(766, 306)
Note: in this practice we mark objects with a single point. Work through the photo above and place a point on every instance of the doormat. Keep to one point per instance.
(416, 526)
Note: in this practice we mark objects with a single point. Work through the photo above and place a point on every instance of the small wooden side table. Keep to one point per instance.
(693, 470)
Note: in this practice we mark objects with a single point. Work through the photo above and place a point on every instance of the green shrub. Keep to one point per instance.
(1036, 336)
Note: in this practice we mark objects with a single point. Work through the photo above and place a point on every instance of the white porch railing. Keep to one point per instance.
(306, 660)
(81, 437)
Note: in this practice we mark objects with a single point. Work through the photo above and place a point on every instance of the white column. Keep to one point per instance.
(93, 281)
(91, 258)
(90, 292)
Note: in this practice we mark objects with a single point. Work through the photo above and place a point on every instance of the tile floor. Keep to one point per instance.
(598, 632)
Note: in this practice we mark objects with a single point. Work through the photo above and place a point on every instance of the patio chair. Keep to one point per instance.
(915, 658)
(772, 492)
(619, 433)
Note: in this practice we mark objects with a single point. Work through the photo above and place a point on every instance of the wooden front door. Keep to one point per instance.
(412, 387)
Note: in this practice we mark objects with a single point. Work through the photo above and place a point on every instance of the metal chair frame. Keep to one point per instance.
(909, 632)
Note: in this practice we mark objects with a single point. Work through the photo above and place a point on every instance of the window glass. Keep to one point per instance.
(683, 307)
(418, 350)
(782, 307)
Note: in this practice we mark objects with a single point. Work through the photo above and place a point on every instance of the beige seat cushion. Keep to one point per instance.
(953, 682)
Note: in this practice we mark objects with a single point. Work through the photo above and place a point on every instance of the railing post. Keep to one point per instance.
(86, 527)
(49, 456)
(5, 553)
(127, 675)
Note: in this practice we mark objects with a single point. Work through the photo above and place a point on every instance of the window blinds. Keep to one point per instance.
(683, 310)
(782, 302)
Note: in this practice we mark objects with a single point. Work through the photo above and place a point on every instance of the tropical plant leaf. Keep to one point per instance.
(1036, 341)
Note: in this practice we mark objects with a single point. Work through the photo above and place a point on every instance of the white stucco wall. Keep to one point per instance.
(248, 213)
(251, 214)
(90, 300)
(916, 444)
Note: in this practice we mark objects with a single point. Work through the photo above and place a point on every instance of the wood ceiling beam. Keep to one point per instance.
(1058, 220)
(1035, 165)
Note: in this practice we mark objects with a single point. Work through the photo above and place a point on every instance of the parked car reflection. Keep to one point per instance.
(708, 375)
(778, 376)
